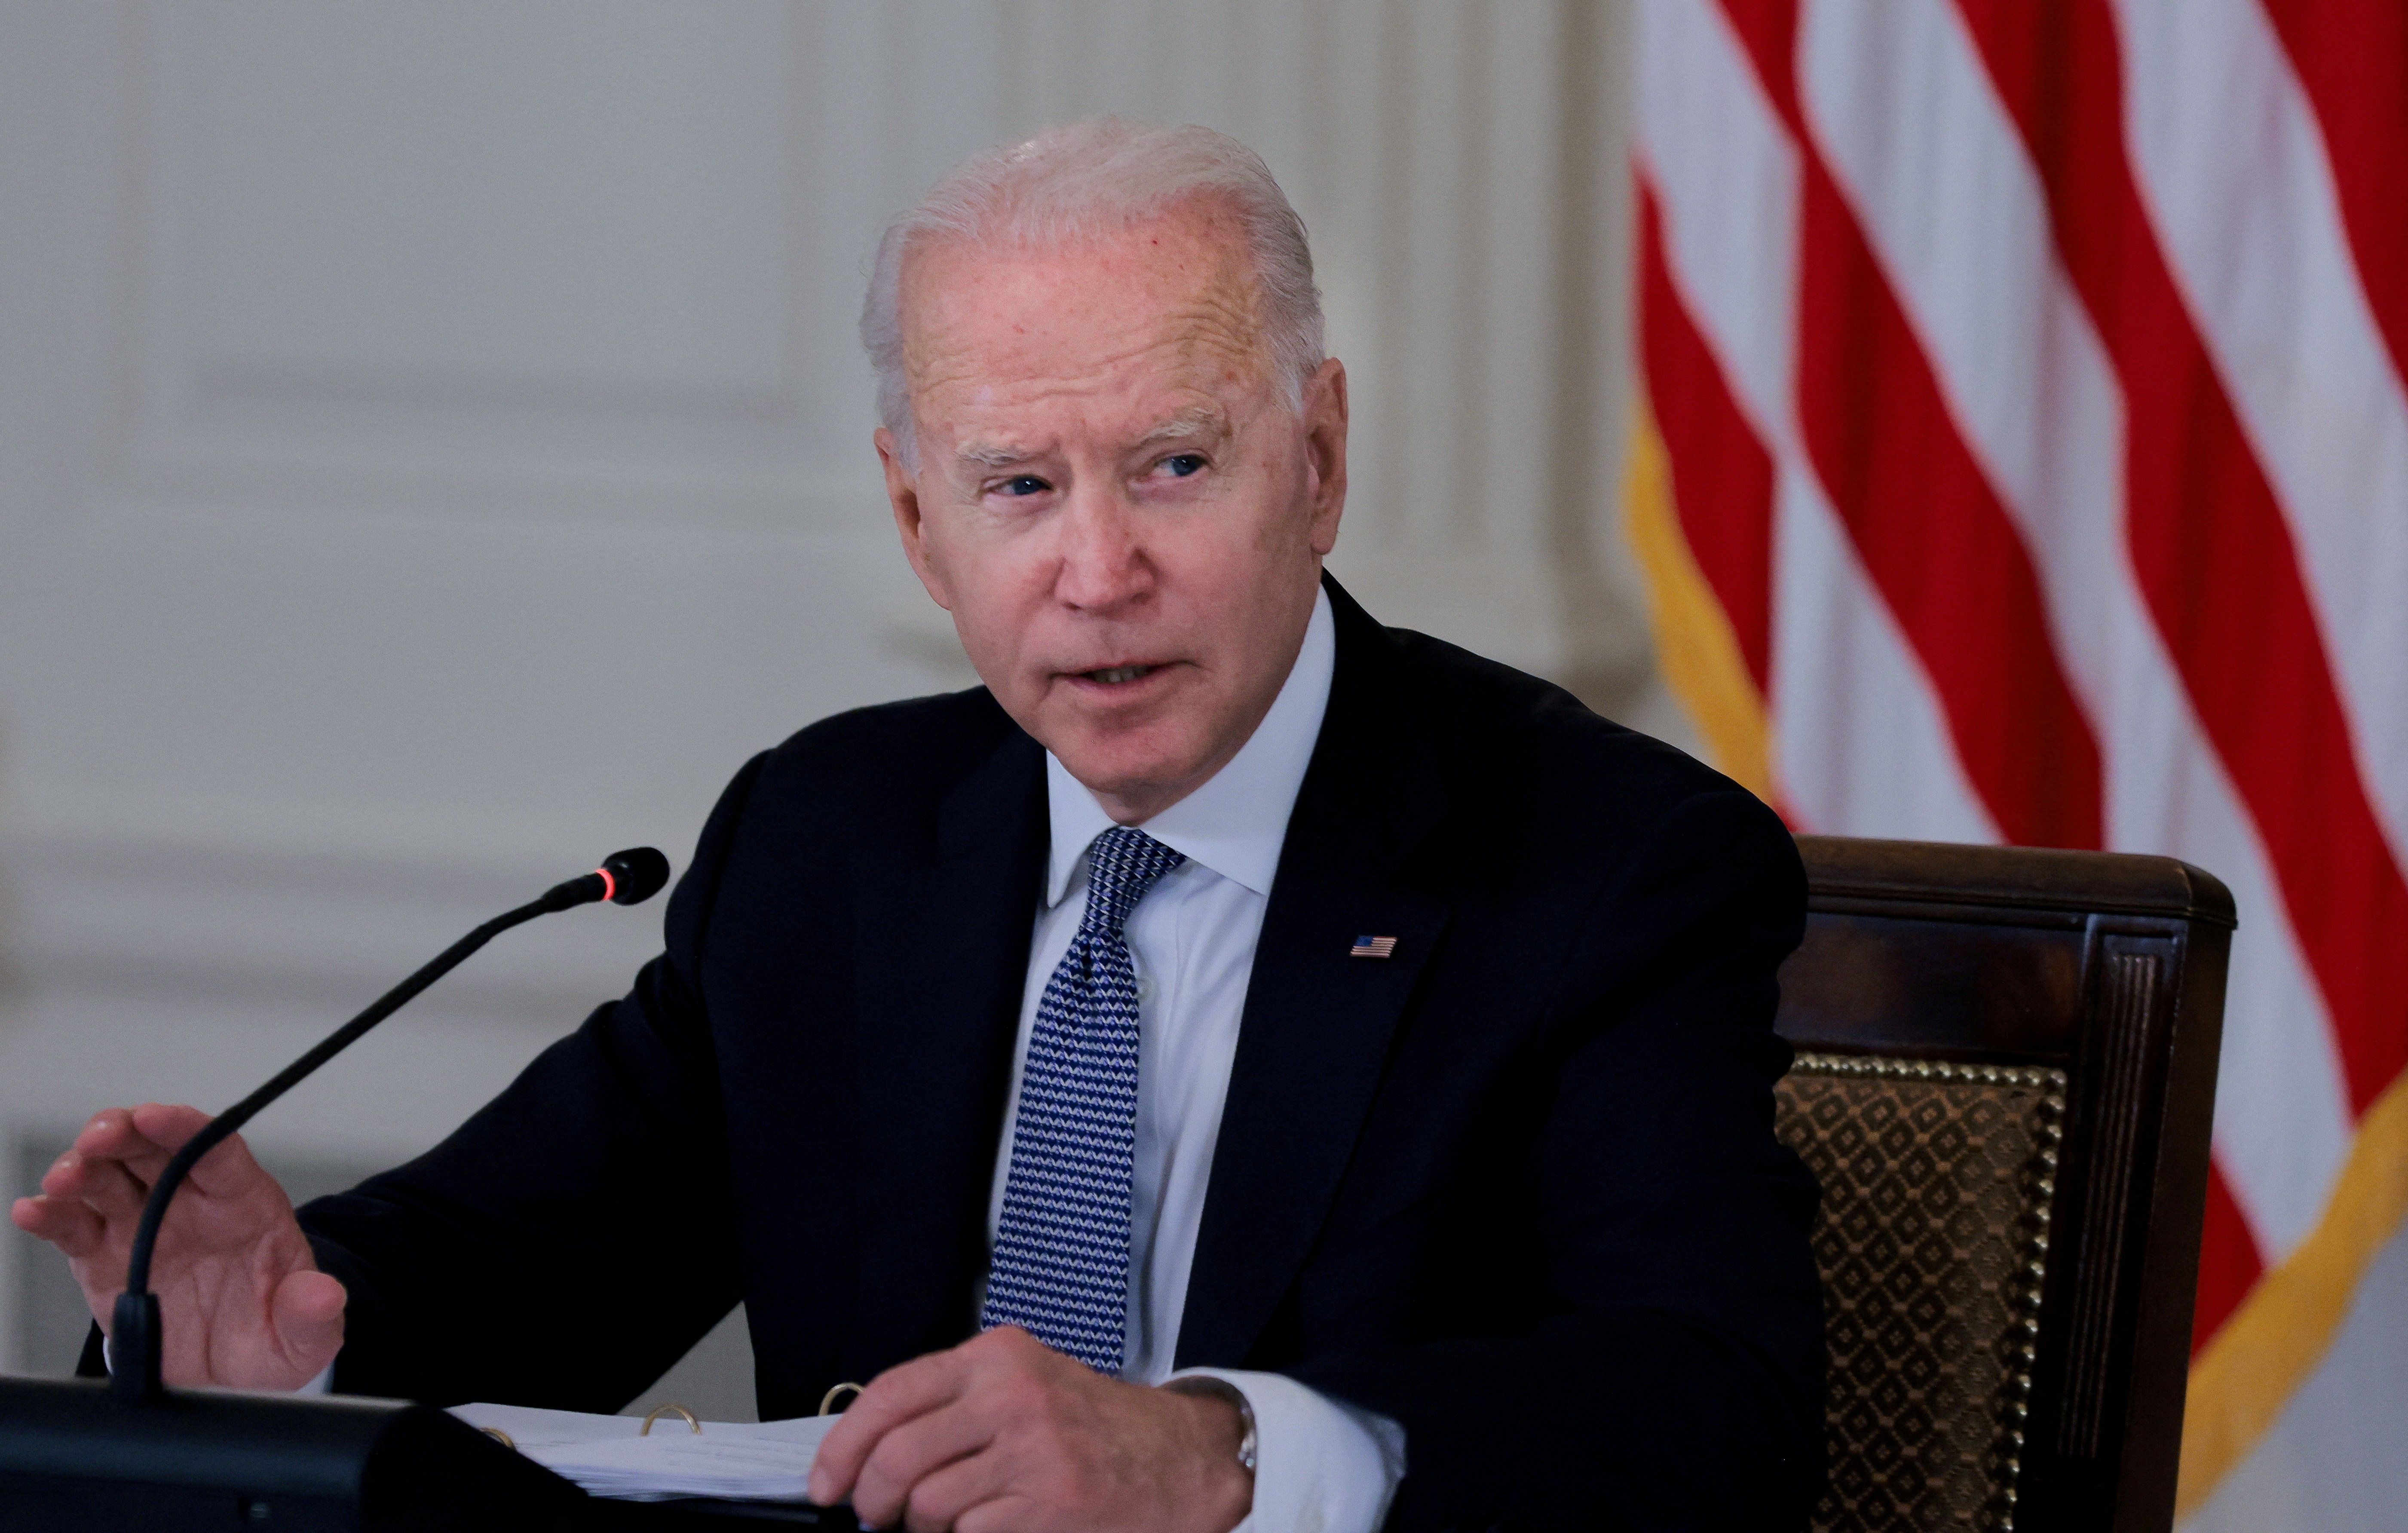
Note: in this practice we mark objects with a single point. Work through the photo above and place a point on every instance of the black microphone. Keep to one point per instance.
(624, 878)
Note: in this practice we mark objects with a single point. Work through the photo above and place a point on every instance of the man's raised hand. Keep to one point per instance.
(1004, 1435)
(242, 1301)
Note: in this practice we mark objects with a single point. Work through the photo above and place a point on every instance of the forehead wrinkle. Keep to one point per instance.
(1198, 369)
(1200, 333)
(1214, 325)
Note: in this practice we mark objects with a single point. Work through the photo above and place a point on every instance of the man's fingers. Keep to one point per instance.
(110, 1135)
(167, 1124)
(1000, 1515)
(71, 1225)
(307, 1310)
(107, 1186)
(145, 1137)
(139, 1143)
(226, 1171)
(931, 1445)
(894, 1396)
(113, 1133)
(938, 1500)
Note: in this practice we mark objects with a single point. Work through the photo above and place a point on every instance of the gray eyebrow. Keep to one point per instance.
(1201, 420)
(1198, 420)
(993, 457)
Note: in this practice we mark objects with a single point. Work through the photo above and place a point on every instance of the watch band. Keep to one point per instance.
(1204, 1384)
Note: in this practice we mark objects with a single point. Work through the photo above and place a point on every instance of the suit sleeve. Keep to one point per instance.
(1674, 1377)
(571, 1239)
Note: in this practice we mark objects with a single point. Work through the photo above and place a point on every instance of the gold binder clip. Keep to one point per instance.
(827, 1401)
(672, 1409)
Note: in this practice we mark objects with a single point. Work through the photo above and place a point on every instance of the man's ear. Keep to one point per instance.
(903, 495)
(1324, 451)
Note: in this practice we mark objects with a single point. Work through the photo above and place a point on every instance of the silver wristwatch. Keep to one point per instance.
(1204, 1384)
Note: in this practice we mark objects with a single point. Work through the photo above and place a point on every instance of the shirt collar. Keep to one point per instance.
(1237, 821)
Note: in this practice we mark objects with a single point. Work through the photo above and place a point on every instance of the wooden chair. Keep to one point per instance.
(2006, 1066)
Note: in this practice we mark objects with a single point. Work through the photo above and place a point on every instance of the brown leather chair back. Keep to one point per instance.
(2006, 1066)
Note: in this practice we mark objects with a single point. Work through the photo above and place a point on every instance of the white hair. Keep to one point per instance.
(1083, 179)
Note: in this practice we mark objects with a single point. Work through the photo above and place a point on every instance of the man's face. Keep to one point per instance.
(1114, 499)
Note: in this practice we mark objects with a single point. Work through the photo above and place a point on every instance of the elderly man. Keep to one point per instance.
(1243, 1062)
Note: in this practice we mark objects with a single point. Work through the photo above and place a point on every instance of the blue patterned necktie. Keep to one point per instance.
(1061, 1266)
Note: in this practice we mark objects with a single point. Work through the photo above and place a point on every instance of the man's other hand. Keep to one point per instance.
(242, 1301)
(1003, 1433)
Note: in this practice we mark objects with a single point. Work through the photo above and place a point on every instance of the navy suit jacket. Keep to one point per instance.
(1515, 1187)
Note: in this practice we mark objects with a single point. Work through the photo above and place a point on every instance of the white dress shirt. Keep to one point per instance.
(1323, 1467)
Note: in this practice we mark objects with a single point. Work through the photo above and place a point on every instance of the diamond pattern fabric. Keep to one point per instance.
(1936, 1183)
(1061, 1264)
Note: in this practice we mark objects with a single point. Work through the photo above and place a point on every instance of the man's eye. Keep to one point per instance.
(1183, 464)
(1023, 485)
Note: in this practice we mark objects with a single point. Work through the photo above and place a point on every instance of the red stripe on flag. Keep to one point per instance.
(2229, 1262)
(1768, 29)
(1722, 476)
(1933, 535)
(2212, 555)
(2352, 56)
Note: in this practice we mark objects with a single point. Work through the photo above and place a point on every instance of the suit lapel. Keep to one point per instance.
(944, 949)
(1318, 1022)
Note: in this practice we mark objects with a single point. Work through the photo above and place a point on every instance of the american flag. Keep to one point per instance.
(1372, 947)
(2025, 458)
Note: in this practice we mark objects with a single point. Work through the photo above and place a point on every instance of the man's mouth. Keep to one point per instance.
(1116, 675)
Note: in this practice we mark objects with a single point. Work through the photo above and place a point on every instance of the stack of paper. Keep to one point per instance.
(606, 1457)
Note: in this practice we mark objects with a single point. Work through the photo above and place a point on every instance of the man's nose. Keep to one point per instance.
(1105, 565)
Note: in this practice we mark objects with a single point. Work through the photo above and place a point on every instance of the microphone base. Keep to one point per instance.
(74, 1456)
(136, 1340)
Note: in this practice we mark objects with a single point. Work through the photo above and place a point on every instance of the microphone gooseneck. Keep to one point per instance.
(624, 878)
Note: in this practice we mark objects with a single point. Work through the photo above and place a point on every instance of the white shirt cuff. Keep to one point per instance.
(1321, 1466)
(322, 1385)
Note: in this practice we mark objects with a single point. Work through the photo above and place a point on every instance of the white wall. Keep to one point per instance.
(434, 452)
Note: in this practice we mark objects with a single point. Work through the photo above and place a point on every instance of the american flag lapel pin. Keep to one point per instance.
(1372, 947)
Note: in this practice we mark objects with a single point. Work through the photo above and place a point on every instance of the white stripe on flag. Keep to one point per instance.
(1901, 106)
(1860, 743)
(1729, 176)
(2233, 166)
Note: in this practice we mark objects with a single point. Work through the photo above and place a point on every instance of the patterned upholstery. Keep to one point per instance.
(1937, 1180)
